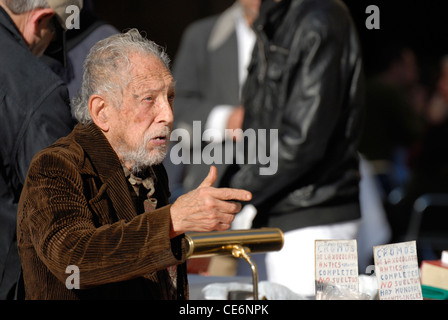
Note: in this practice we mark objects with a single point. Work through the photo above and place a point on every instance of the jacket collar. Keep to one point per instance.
(108, 167)
(99, 150)
(224, 26)
(272, 14)
(7, 23)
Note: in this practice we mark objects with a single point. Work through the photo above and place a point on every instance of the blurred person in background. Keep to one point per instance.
(306, 81)
(78, 43)
(393, 125)
(34, 106)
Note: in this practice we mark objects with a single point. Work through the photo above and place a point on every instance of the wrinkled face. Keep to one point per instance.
(140, 129)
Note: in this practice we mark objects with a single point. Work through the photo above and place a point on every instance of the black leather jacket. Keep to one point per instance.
(305, 80)
(34, 112)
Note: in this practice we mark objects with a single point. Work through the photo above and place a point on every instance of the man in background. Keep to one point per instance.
(306, 81)
(34, 109)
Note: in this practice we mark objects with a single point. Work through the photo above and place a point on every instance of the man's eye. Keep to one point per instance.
(148, 99)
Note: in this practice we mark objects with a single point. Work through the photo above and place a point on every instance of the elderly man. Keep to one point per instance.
(96, 201)
(34, 108)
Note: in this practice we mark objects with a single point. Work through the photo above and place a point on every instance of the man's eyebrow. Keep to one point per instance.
(170, 87)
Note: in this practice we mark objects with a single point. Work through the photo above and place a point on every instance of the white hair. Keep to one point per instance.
(106, 69)
(22, 6)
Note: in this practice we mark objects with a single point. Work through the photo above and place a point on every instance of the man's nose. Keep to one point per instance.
(165, 112)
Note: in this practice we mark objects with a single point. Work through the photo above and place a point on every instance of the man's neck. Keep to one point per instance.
(141, 172)
(249, 19)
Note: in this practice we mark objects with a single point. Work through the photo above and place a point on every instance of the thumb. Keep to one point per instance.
(210, 179)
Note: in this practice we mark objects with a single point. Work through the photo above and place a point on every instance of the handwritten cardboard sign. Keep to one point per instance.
(336, 263)
(397, 273)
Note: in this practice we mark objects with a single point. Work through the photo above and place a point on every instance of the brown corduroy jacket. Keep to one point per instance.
(76, 211)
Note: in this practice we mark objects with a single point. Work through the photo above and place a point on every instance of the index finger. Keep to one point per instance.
(231, 194)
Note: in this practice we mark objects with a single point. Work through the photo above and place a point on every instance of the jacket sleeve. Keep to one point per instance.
(311, 111)
(60, 224)
(49, 121)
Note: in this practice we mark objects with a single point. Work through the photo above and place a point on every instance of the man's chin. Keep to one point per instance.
(155, 158)
(141, 163)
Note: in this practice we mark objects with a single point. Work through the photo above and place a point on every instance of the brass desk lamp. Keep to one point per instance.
(238, 243)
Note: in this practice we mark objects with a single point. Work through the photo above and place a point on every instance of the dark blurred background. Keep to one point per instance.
(420, 24)
(407, 97)
(163, 21)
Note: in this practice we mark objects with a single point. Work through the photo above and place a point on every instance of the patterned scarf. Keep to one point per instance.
(148, 183)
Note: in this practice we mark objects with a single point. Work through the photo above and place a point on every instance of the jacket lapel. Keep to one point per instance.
(108, 167)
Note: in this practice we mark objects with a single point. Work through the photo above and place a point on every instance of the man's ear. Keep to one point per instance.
(40, 19)
(99, 112)
(36, 30)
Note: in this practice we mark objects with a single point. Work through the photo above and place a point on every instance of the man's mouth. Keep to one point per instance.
(161, 137)
(159, 140)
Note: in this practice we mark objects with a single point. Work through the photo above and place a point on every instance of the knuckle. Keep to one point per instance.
(212, 216)
(212, 225)
(209, 203)
(233, 207)
(237, 206)
(224, 226)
